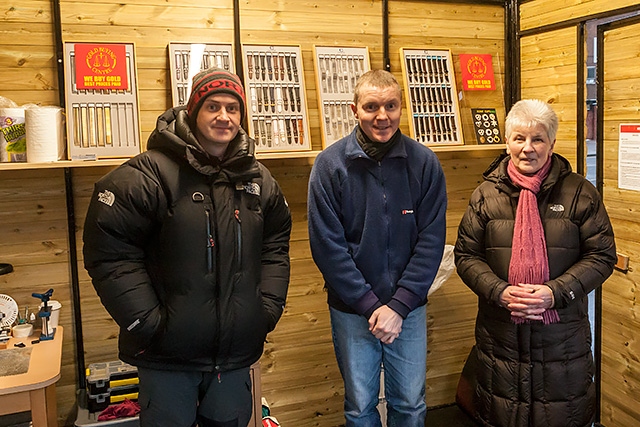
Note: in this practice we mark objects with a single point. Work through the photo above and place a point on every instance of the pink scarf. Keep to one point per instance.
(529, 262)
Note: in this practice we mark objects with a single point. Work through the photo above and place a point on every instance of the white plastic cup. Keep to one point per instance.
(23, 330)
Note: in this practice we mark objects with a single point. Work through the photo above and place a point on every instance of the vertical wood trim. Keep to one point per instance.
(512, 57)
(237, 40)
(600, 109)
(74, 277)
(385, 35)
(57, 34)
(580, 98)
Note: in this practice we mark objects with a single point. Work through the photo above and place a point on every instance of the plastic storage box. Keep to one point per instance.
(107, 383)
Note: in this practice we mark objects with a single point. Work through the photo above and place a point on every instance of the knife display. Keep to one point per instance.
(213, 55)
(275, 97)
(337, 72)
(432, 96)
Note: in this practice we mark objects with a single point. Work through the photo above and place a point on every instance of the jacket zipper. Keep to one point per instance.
(210, 241)
(236, 213)
(386, 216)
(198, 197)
(238, 238)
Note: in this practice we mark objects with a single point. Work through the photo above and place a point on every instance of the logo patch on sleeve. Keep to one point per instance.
(106, 197)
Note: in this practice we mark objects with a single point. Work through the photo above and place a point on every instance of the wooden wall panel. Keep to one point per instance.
(620, 311)
(33, 226)
(351, 23)
(300, 378)
(27, 52)
(447, 25)
(537, 13)
(548, 72)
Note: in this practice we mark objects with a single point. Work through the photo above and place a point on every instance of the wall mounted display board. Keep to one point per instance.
(101, 100)
(432, 100)
(276, 97)
(188, 59)
(337, 71)
(485, 124)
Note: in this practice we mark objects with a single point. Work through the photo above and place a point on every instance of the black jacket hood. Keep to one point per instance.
(173, 133)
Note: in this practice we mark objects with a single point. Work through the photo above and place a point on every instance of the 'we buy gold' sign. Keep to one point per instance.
(101, 66)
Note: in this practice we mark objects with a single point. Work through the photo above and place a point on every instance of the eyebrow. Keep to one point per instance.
(213, 101)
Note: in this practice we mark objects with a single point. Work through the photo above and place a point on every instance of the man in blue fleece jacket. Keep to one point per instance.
(377, 203)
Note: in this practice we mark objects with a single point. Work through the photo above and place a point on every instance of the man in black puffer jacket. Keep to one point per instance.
(187, 245)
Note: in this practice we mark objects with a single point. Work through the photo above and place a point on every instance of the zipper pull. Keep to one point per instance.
(236, 213)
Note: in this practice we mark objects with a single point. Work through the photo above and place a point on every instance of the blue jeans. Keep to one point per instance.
(360, 355)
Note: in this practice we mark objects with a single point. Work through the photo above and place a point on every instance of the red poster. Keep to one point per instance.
(477, 72)
(101, 66)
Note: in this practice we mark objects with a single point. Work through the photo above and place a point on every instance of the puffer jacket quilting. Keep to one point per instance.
(535, 375)
(189, 256)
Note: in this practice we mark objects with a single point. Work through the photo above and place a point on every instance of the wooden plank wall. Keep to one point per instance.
(620, 309)
(620, 367)
(548, 72)
(538, 13)
(33, 226)
(299, 374)
(463, 29)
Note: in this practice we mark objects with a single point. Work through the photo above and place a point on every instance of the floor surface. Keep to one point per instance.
(448, 416)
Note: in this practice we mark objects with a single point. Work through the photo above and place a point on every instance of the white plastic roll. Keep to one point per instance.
(12, 135)
(45, 138)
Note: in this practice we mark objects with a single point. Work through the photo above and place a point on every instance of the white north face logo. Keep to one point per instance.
(107, 197)
(252, 188)
(557, 208)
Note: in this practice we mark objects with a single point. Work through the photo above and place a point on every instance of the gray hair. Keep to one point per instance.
(377, 78)
(530, 113)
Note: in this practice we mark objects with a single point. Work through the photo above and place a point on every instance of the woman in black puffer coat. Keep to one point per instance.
(532, 364)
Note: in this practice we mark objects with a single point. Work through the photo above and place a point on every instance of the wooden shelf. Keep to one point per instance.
(61, 164)
(451, 148)
(259, 156)
(287, 155)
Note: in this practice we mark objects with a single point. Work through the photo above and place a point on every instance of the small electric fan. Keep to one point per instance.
(8, 315)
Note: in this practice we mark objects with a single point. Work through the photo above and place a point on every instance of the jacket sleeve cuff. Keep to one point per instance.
(367, 314)
(399, 308)
(404, 297)
(367, 304)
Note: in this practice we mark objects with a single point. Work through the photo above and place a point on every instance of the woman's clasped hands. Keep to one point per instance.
(527, 301)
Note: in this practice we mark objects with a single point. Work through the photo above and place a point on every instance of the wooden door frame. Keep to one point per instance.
(515, 77)
(601, 29)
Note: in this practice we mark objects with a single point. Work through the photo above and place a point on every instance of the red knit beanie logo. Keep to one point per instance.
(210, 82)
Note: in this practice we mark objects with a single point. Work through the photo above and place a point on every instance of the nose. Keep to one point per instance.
(382, 114)
(528, 145)
(223, 114)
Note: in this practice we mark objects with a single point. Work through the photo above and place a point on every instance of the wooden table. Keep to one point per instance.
(35, 390)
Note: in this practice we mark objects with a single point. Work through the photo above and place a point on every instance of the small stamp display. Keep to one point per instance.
(188, 59)
(337, 71)
(276, 98)
(430, 86)
(101, 100)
